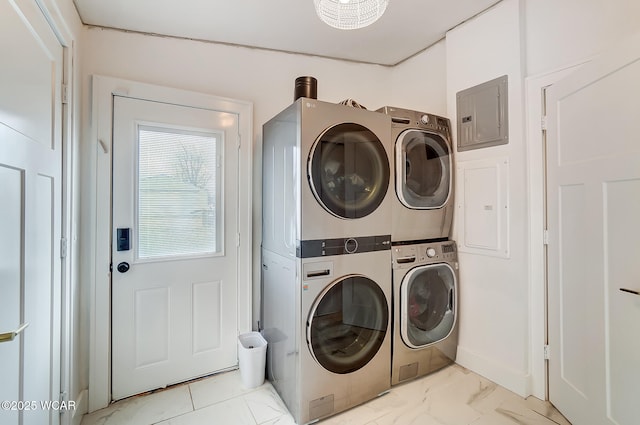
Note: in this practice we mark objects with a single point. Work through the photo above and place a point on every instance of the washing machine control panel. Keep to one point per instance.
(405, 118)
(342, 246)
(407, 256)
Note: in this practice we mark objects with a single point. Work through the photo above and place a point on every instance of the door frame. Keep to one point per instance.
(100, 140)
(536, 176)
(65, 300)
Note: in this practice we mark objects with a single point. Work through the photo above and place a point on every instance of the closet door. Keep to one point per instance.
(30, 215)
(593, 208)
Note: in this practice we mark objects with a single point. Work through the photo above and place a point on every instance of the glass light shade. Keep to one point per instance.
(350, 14)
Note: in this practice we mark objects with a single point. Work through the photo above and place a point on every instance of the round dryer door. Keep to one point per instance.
(349, 171)
(423, 169)
(347, 324)
(427, 304)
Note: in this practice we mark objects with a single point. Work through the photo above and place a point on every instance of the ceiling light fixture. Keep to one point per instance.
(350, 14)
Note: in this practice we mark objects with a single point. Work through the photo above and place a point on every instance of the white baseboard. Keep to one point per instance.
(82, 407)
(511, 379)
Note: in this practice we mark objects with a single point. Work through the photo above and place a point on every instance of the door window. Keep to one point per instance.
(349, 171)
(427, 304)
(178, 195)
(348, 324)
(423, 168)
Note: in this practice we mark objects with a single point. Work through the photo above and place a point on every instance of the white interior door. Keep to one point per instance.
(594, 240)
(174, 280)
(30, 215)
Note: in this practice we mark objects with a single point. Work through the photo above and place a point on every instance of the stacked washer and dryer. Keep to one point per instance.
(326, 251)
(425, 263)
(359, 278)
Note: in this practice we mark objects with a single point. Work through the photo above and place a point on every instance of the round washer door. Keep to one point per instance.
(349, 171)
(347, 324)
(427, 304)
(423, 169)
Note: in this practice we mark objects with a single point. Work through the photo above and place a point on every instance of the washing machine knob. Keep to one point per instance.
(350, 246)
(424, 119)
(431, 252)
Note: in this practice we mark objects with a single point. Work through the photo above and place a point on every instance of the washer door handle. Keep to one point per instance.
(405, 260)
(318, 273)
(450, 299)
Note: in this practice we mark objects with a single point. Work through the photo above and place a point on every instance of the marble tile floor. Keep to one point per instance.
(451, 396)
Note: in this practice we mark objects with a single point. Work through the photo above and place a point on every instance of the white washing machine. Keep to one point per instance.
(327, 321)
(423, 175)
(326, 175)
(425, 305)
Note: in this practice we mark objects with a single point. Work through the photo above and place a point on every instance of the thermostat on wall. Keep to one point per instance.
(482, 115)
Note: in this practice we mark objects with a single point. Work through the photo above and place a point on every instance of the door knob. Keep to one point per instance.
(123, 267)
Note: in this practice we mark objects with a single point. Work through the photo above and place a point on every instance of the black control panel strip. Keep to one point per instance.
(342, 246)
(420, 241)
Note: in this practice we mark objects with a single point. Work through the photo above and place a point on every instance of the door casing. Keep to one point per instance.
(99, 252)
(535, 169)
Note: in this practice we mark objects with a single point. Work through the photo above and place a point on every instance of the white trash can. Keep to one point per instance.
(252, 354)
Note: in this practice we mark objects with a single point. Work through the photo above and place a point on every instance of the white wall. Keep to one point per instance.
(494, 290)
(419, 83)
(520, 38)
(562, 33)
(265, 78)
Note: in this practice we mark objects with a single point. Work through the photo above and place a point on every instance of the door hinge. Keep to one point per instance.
(239, 141)
(65, 94)
(545, 237)
(543, 122)
(546, 352)
(63, 248)
(237, 239)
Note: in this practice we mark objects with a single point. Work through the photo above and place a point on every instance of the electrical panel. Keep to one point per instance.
(482, 115)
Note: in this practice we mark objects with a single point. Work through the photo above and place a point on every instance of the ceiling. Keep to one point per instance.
(406, 28)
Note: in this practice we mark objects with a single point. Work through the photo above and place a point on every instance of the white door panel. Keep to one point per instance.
(593, 205)
(175, 186)
(11, 189)
(622, 323)
(30, 217)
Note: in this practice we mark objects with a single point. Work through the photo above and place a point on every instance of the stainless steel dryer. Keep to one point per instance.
(325, 174)
(425, 303)
(327, 321)
(423, 175)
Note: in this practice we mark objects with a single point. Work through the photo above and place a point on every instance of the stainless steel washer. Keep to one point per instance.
(326, 175)
(425, 300)
(423, 175)
(327, 321)
(326, 250)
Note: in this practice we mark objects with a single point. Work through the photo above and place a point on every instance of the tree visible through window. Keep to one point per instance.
(178, 206)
